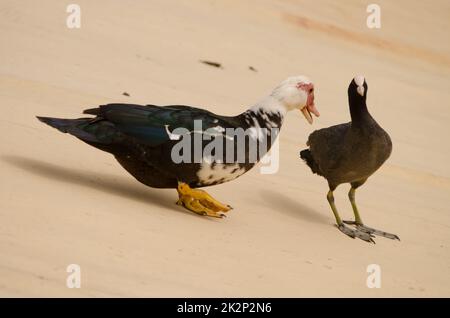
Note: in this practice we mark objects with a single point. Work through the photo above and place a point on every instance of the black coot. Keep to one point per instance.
(350, 153)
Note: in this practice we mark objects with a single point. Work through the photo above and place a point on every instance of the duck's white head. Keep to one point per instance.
(297, 92)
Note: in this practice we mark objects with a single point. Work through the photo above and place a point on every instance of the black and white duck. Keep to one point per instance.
(146, 140)
(350, 153)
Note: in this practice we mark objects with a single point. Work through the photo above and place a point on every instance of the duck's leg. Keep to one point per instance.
(200, 201)
(358, 221)
(341, 226)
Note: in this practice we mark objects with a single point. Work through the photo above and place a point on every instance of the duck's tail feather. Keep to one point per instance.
(74, 127)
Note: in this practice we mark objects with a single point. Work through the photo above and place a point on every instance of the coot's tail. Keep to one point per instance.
(308, 158)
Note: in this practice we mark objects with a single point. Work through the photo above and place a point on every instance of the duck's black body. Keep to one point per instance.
(351, 152)
(142, 137)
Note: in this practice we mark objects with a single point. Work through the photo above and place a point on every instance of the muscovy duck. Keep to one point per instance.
(146, 140)
(350, 153)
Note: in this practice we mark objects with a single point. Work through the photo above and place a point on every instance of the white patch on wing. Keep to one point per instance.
(171, 135)
(220, 172)
(256, 132)
(213, 132)
(219, 129)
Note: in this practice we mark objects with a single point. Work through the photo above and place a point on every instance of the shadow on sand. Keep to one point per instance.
(94, 180)
(132, 190)
(294, 208)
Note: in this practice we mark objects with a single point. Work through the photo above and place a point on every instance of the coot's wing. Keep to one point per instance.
(327, 146)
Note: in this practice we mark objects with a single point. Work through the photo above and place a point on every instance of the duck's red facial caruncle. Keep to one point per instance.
(309, 108)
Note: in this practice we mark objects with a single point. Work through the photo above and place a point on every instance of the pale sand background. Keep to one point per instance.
(64, 202)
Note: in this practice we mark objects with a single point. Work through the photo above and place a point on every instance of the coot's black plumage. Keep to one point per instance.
(142, 139)
(350, 153)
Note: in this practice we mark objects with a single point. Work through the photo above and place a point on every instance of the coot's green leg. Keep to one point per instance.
(358, 221)
(341, 226)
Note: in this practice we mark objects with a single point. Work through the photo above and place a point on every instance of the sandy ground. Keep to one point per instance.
(63, 202)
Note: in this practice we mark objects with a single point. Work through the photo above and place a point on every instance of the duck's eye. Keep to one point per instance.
(311, 90)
